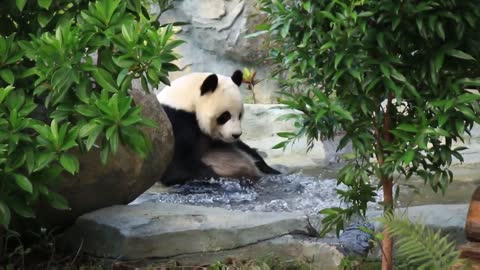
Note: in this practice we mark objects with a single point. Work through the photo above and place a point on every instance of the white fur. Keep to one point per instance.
(184, 94)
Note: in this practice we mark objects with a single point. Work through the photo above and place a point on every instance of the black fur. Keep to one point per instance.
(209, 84)
(191, 144)
(237, 77)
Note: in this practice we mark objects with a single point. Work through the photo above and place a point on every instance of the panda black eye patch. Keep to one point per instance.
(223, 118)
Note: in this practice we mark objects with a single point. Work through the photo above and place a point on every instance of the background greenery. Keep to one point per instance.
(65, 71)
(399, 78)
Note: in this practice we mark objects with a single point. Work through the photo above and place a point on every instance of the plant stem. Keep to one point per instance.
(253, 93)
(387, 182)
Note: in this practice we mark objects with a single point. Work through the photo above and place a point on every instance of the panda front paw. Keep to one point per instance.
(207, 173)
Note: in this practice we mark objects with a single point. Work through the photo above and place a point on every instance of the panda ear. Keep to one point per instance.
(209, 84)
(237, 77)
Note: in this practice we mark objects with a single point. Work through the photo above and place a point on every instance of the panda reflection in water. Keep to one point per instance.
(205, 111)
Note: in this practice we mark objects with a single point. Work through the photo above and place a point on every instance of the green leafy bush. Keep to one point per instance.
(65, 71)
(399, 78)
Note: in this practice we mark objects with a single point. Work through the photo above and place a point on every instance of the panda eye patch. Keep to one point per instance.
(223, 118)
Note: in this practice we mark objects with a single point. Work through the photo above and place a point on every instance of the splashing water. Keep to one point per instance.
(295, 192)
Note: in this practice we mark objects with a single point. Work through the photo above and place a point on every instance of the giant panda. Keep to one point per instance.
(205, 111)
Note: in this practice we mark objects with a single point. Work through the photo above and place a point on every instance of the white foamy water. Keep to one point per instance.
(291, 192)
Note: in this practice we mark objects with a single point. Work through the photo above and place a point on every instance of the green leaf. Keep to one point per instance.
(307, 5)
(54, 129)
(327, 45)
(44, 3)
(23, 182)
(95, 132)
(21, 208)
(460, 54)
(470, 82)
(57, 201)
(328, 15)
(408, 157)
(408, 128)
(385, 70)
(467, 98)
(87, 110)
(286, 134)
(104, 154)
(439, 59)
(397, 75)
(44, 18)
(7, 76)
(467, 112)
(355, 74)
(105, 79)
(342, 112)
(280, 145)
(43, 159)
(440, 31)
(121, 76)
(5, 215)
(4, 92)
(20, 4)
(338, 58)
(70, 163)
(285, 29)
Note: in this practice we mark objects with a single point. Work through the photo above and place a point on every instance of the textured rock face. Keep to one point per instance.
(260, 128)
(215, 40)
(449, 218)
(123, 178)
(192, 234)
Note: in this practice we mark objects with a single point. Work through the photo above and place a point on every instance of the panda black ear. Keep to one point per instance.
(209, 84)
(237, 77)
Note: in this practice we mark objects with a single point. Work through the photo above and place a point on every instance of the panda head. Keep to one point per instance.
(220, 107)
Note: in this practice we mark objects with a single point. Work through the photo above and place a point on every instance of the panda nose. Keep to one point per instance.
(236, 136)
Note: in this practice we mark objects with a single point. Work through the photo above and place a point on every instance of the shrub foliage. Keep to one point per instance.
(65, 71)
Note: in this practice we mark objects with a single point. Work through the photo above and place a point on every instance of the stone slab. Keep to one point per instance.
(163, 230)
(313, 252)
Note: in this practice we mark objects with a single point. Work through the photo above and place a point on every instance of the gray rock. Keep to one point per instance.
(449, 218)
(313, 252)
(354, 240)
(122, 179)
(162, 230)
(260, 128)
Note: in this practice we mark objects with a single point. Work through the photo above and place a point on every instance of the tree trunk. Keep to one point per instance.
(2, 242)
(387, 243)
(387, 182)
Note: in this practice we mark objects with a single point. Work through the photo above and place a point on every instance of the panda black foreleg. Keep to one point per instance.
(187, 168)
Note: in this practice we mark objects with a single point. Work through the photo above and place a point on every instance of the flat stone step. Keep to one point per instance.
(163, 230)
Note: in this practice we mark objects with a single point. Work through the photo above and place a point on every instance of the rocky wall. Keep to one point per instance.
(216, 42)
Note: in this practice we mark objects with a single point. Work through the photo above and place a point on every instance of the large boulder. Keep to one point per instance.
(122, 179)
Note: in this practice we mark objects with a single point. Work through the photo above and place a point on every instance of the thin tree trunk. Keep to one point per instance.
(2, 242)
(387, 243)
(387, 182)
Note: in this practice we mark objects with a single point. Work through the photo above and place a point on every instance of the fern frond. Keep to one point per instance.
(418, 246)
